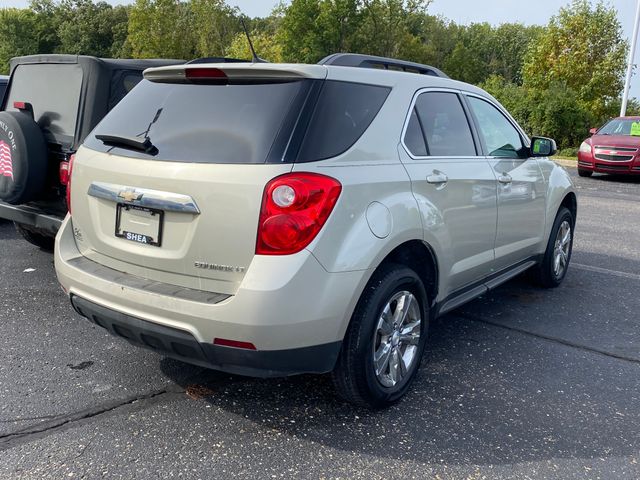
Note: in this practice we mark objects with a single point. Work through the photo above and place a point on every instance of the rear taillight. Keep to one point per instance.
(64, 173)
(294, 209)
(68, 174)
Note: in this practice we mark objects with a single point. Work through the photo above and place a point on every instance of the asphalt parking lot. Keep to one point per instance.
(522, 383)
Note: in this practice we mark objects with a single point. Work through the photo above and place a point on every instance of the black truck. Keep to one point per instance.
(51, 104)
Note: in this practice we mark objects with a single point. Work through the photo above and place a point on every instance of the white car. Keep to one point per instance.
(275, 219)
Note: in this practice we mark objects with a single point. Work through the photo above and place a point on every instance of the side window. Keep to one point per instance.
(445, 125)
(413, 138)
(343, 113)
(500, 136)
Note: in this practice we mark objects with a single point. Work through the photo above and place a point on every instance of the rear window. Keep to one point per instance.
(54, 92)
(241, 123)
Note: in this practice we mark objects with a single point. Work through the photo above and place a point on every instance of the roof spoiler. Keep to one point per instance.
(233, 72)
(383, 63)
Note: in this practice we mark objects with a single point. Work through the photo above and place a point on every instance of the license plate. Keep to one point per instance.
(139, 224)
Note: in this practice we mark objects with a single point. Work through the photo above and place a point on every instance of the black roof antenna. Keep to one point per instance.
(256, 58)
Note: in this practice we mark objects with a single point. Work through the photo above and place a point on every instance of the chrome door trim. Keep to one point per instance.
(144, 197)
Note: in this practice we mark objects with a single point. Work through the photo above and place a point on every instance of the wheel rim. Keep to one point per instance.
(397, 337)
(561, 249)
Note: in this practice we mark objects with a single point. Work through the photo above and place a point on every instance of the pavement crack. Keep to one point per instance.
(63, 422)
(31, 419)
(549, 338)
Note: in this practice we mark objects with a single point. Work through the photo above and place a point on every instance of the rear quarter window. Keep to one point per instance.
(342, 114)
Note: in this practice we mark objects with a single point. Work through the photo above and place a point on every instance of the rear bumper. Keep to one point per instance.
(183, 346)
(31, 216)
(290, 308)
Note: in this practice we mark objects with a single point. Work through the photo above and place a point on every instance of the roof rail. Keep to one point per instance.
(371, 61)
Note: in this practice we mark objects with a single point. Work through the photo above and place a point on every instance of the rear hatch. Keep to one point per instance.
(169, 186)
(185, 211)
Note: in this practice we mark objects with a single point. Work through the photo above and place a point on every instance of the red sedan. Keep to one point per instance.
(614, 148)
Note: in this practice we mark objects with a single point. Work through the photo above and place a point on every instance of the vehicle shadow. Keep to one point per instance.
(484, 395)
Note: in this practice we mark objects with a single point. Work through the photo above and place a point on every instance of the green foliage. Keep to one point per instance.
(215, 24)
(91, 28)
(554, 112)
(265, 45)
(482, 50)
(312, 29)
(571, 152)
(557, 80)
(161, 29)
(16, 26)
(582, 47)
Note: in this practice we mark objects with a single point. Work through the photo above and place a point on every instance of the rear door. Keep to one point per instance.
(454, 184)
(521, 185)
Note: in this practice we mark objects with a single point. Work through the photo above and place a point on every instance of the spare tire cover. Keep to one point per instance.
(23, 158)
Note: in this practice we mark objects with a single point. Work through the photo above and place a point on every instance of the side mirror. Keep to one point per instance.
(593, 131)
(543, 147)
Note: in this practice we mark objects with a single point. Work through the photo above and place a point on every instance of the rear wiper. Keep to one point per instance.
(130, 143)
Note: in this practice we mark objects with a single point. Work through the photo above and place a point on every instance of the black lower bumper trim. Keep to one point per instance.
(183, 346)
(32, 217)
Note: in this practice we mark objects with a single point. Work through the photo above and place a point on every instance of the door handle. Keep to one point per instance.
(505, 178)
(437, 178)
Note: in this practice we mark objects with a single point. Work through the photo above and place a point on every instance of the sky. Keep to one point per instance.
(462, 12)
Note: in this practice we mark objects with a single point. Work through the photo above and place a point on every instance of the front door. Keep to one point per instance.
(521, 185)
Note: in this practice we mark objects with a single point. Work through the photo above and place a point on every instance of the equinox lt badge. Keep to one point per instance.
(220, 268)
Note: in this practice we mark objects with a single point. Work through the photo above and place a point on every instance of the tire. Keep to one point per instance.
(355, 376)
(45, 242)
(547, 274)
(23, 158)
(584, 173)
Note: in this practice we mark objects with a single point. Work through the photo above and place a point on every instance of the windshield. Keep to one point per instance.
(620, 126)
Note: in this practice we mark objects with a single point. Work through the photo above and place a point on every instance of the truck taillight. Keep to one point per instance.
(68, 174)
(64, 173)
(295, 207)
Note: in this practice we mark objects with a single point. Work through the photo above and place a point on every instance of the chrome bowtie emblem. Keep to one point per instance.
(130, 195)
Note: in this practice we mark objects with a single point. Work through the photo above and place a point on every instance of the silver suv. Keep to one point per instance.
(272, 219)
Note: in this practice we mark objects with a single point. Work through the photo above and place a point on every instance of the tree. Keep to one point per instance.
(312, 29)
(554, 112)
(384, 27)
(431, 39)
(216, 24)
(582, 48)
(16, 35)
(89, 28)
(482, 50)
(46, 28)
(161, 29)
(265, 45)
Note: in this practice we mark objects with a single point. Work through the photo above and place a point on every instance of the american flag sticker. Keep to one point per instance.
(6, 164)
